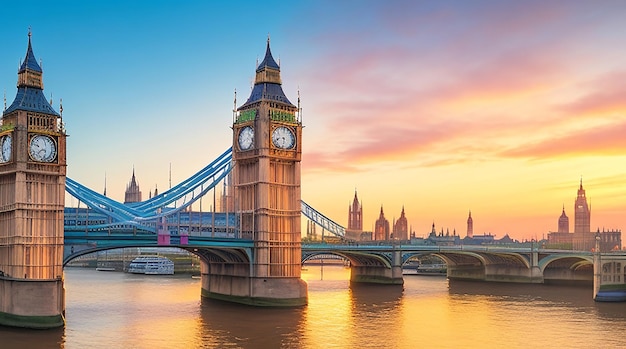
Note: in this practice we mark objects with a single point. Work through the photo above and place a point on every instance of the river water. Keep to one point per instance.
(118, 310)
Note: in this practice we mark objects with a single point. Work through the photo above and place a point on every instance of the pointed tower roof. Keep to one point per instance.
(581, 191)
(30, 95)
(30, 62)
(267, 83)
(268, 61)
(133, 182)
(355, 201)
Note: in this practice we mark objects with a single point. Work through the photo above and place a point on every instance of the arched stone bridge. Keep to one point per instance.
(382, 264)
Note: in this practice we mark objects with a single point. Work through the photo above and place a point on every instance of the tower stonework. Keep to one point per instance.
(563, 222)
(32, 200)
(401, 227)
(470, 226)
(381, 227)
(583, 239)
(267, 149)
(582, 213)
(355, 219)
(133, 193)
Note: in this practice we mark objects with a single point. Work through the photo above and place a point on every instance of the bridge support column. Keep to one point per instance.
(232, 283)
(379, 274)
(27, 303)
(496, 273)
(597, 270)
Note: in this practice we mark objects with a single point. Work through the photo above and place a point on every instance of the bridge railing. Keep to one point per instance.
(323, 221)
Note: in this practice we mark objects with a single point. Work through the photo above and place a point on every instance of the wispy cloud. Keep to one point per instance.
(599, 141)
(600, 95)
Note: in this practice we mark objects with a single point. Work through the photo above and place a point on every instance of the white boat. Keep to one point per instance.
(105, 269)
(151, 265)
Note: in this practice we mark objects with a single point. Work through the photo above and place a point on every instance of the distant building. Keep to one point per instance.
(582, 212)
(401, 227)
(485, 239)
(311, 234)
(381, 228)
(227, 199)
(470, 226)
(563, 222)
(562, 238)
(355, 219)
(441, 239)
(610, 240)
(583, 239)
(132, 194)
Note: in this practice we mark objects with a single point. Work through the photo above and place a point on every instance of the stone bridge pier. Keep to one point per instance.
(383, 269)
(502, 267)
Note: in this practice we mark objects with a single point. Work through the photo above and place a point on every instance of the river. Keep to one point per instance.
(118, 310)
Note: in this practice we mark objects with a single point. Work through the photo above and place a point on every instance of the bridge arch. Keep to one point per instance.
(570, 269)
(355, 258)
(575, 262)
(206, 254)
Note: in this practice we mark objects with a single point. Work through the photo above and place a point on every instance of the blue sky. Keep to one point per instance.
(442, 107)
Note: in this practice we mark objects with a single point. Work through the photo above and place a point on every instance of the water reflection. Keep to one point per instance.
(116, 310)
(36, 339)
(228, 325)
(567, 295)
(578, 299)
(381, 296)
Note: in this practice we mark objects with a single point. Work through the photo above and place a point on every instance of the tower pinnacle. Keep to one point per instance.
(30, 95)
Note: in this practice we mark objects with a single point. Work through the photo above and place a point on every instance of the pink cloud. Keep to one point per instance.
(395, 95)
(604, 140)
(606, 93)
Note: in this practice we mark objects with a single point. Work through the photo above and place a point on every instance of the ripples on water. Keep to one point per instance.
(117, 310)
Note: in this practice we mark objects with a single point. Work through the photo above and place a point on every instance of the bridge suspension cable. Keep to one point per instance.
(187, 192)
(323, 221)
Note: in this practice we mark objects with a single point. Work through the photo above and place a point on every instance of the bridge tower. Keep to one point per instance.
(267, 149)
(32, 197)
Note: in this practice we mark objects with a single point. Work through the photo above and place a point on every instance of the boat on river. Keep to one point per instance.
(151, 265)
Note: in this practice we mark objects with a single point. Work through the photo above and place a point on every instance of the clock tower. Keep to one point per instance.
(267, 148)
(32, 200)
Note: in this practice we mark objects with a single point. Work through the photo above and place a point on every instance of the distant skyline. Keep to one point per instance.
(439, 106)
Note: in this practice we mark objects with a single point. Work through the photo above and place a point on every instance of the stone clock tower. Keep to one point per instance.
(32, 198)
(267, 148)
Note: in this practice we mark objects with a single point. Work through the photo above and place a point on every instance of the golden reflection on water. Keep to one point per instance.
(117, 310)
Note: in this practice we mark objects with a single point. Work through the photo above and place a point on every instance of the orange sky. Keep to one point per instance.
(441, 107)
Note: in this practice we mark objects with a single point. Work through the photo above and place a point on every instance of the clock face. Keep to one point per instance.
(283, 138)
(6, 144)
(246, 138)
(42, 148)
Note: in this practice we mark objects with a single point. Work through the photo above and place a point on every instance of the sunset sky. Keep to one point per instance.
(498, 107)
